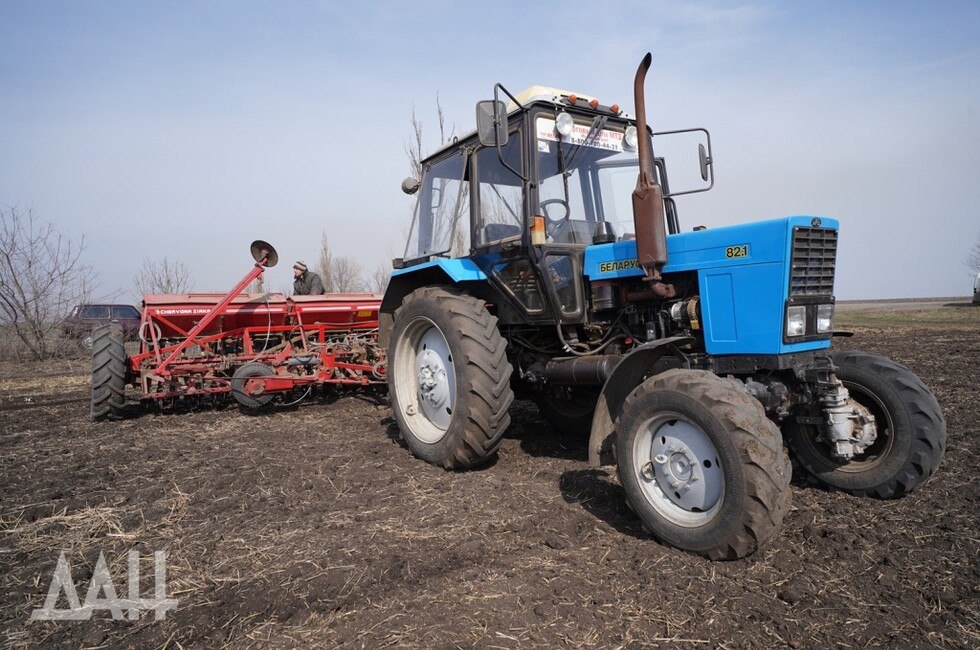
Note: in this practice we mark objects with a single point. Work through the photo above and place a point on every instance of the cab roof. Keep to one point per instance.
(537, 94)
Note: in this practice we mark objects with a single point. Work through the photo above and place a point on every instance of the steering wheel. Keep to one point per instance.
(561, 202)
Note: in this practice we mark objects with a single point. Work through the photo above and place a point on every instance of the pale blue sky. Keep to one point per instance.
(188, 129)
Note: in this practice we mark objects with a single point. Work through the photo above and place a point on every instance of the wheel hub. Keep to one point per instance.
(683, 467)
(680, 466)
(435, 379)
(432, 379)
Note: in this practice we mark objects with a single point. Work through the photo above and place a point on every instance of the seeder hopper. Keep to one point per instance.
(257, 347)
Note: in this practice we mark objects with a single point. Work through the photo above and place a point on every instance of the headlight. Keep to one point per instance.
(796, 321)
(564, 124)
(629, 138)
(825, 318)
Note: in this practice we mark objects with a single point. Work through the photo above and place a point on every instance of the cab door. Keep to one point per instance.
(498, 225)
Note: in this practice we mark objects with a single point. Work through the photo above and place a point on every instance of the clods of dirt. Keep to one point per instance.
(316, 526)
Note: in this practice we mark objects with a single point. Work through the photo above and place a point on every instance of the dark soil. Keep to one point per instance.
(316, 525)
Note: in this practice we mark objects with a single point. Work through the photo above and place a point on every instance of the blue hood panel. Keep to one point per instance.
(743, 278)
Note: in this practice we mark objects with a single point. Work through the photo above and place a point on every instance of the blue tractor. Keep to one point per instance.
(546, 262)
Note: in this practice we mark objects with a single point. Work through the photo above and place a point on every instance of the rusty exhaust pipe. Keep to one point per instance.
(648, 198)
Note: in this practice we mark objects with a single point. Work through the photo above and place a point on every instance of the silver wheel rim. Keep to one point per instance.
(425, 380)
(678, 470)
(88, 342)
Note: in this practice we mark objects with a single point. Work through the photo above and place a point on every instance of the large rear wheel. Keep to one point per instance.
(702, 465)
(108, 373)
(449, 378)
(911, 431)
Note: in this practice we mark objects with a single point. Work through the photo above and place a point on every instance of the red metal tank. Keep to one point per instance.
(176, 312)
(343, 310)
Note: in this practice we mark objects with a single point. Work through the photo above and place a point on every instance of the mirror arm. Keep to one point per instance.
(711, 166)
(497, 125)
(496, 97)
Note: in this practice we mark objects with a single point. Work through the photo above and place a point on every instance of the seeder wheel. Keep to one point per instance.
(249, 394)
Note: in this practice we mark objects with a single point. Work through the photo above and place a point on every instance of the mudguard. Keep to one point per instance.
(630, 373)
(450, 272)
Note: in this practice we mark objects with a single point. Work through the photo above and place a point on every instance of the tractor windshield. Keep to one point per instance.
(585, 177)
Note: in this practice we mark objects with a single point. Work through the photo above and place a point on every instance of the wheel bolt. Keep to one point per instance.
(647, 471)
(660, 459)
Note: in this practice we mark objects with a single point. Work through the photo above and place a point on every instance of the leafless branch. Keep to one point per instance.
(347, 275)
(42, 276)
(380, 278)
(162, 276)
(973, 260)
(414, 148)
(325, 265)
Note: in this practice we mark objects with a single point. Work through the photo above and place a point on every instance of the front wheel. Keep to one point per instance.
(449, 378)
(702, 465)
(911, 436)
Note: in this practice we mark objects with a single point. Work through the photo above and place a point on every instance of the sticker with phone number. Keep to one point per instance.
(604, 139)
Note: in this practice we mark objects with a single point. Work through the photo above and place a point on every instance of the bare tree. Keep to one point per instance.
(256, 286)
(414, 149)
(347, 275)
(162, 276)
(380, 277)
(973, 260)
(42, 276)
(325, 266)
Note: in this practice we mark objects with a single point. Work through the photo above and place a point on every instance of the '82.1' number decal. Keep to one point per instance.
(737, 251)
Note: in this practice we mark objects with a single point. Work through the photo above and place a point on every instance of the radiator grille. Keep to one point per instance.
(813, 260)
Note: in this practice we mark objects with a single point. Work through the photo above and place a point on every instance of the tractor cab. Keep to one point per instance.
(523, 196)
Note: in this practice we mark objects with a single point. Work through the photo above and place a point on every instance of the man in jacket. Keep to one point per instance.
(306, 282)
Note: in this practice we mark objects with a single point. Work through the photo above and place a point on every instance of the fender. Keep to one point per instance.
(630, 373)
(442, 271)
(462, 273)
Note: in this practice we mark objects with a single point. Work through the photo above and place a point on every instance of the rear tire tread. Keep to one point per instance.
(489, 396)
(108, 373)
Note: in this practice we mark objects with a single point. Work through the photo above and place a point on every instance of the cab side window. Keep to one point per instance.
(500, 200)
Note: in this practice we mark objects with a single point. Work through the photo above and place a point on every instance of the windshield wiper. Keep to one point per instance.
(564, 166)
(597, 125)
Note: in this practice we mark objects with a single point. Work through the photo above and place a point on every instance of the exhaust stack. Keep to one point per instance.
(648, 198)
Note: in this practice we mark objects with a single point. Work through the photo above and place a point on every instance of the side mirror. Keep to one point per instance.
(704, 161)
(683, 163)
(410, 185)
(491, 123)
